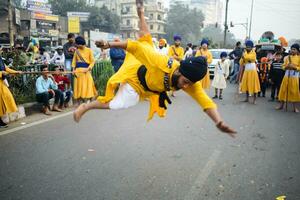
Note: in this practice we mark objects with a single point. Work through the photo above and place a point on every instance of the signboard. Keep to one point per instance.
(46, 17)
(53, 33)
(39, 6)
(73, 25)
(83, 16)
(17, 16)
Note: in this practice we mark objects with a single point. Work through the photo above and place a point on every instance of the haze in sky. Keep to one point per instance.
(281, 17)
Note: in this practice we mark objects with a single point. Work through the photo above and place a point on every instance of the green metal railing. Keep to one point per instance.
(23, 87)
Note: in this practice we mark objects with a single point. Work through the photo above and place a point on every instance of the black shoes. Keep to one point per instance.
(3, 125)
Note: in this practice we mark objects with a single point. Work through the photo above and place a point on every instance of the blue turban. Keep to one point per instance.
(79, 40)
(296, 46)
(249, 43)
(204, 41)
(177, 37)
(223, 54)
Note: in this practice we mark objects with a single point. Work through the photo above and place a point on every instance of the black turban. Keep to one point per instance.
(80, 40)
(296, 46)
(194, 68)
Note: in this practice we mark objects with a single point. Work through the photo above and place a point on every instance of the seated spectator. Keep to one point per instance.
(59, 57)
(64, 85)
(46, 89)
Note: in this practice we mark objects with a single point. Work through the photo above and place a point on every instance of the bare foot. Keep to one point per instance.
(246, 100)
(254, 102)
(296, 110)
(279, 108)
(79, 112)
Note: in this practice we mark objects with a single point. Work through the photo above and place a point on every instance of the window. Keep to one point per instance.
(159, 5)
(158, 28)
(128, 22)
(158, 17)
(151, 16)
(151, 27)
(25, 25)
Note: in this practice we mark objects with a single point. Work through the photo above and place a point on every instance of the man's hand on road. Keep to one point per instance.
(226, 129)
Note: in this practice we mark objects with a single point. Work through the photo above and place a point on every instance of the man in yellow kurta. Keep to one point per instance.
(7, 102)
(83, 63)
(204, 52)
(175, 50)
(289, 89)
(248, 73)
(146, 73)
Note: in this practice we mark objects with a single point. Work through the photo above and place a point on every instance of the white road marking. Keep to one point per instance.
(34, 123)
(194, 193)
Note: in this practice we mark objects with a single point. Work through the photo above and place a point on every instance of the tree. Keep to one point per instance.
(62, 7)
(216, 36)
(100, 18)
(185, 22)
(103, 19)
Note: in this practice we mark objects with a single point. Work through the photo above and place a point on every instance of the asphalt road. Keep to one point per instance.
(116, 155)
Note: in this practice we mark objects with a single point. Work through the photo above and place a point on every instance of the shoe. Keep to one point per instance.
(220, 97)
(215, 97)
(3, 125)
(271, 100)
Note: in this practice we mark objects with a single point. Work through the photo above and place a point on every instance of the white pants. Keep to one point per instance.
(126, 97)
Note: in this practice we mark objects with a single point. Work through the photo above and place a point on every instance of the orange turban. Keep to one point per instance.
(283, 41)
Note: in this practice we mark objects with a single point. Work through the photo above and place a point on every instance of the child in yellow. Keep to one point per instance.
(7, 102)
(83, 63)
(250, 81)
(142, 76)
(204, 52)
(176, 51)
(289, 89)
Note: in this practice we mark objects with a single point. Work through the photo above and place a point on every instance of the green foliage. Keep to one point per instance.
(100, 18)
(101, 73)
(216, 37)
(185, 22)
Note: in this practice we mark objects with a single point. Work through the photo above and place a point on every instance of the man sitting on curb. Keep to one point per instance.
(46, 89)
(64, 85)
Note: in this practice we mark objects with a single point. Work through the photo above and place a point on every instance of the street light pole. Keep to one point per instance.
(225, 25)
(251, 15)
(10, 24)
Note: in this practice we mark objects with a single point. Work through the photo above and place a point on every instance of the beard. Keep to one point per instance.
(175, 79)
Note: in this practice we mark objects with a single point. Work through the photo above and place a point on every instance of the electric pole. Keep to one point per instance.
(251, 15)
(225, 25)
(10, 24)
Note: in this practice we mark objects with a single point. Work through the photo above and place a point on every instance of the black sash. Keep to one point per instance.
(163, 96)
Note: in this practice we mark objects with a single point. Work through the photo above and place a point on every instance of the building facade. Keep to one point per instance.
(155, 13)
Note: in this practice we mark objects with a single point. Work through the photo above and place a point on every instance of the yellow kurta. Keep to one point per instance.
(178, 50)
(7, 102)
(84, 86)
(250, 79)
(205, 53)
(289, 89)
(141, 52)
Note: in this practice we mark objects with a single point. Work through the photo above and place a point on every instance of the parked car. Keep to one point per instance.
(216, 58)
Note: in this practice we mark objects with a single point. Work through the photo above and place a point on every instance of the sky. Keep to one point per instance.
(280, 17)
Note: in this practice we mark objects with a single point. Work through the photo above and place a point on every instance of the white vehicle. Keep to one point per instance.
(216, 58)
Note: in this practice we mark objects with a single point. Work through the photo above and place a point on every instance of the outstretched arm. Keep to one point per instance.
(144, 30)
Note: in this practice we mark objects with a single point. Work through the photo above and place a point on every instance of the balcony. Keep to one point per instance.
(130, 27)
